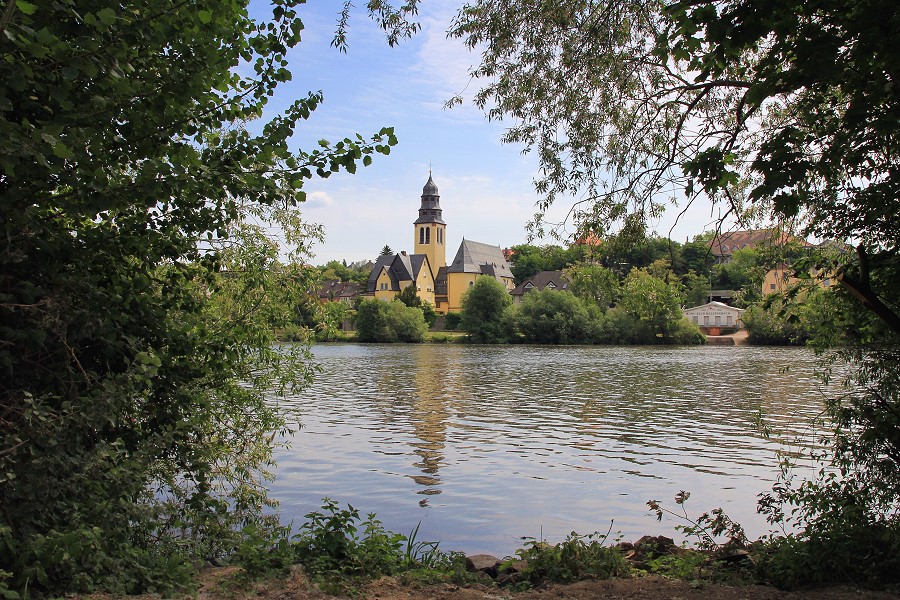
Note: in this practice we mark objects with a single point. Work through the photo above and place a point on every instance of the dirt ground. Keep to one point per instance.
(297, 587)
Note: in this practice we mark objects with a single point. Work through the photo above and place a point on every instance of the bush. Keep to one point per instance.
(379, 321)
(452, 320)
(578, 557)
(552, 317)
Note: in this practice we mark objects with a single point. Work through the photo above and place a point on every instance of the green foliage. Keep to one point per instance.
(577, 557)
(379, 321)
(652, 301)
(336, 545)
(707, 529)
(527, 260)
(333, 316)
(594, 284)
(139, 294)
(745, 271)
(865, 554)
(486, 315)
(556, 317)
(696, 289)
(452, 320)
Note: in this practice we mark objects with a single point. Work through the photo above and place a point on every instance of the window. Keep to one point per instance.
(529, 285)
(771, 286)
(826, 282)
(718, 320)
(421, 235)
(383, 286)
(440, 235)
(471, 283)
(428, 235)
(706, 319)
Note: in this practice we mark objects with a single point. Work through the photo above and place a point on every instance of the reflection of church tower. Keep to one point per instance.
(430, 229)
(429, 418)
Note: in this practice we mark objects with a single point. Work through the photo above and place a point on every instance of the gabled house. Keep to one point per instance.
(333, 290)
(543, 280)
(725, 244)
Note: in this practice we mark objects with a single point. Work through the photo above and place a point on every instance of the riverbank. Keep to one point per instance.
(217, 584)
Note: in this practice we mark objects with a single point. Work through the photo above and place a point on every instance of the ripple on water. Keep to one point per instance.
(485, 444)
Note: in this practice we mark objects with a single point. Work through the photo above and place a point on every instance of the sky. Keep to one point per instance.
(486, 187)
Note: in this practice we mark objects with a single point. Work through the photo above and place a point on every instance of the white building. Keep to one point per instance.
(715, 314)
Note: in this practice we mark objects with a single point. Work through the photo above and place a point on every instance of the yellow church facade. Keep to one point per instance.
(437, 282)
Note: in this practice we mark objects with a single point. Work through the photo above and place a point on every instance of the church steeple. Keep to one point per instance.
(430, 229)
(430, 210)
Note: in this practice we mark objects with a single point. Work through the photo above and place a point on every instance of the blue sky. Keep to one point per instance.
(485, 186)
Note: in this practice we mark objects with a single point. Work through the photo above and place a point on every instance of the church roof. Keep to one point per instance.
(400, 267)
(430, 210)
(475, 257)
(430, 188)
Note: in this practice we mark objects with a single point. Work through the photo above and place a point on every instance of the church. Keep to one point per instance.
(436, 282)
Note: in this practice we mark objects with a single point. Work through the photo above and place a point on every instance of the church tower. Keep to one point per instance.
(430, 229)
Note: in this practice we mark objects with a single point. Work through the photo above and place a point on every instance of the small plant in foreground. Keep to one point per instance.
(705, 528)
(577, 557)
(336, 543)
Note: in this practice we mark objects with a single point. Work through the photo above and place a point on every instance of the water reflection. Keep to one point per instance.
(486, 444)
(429, 418)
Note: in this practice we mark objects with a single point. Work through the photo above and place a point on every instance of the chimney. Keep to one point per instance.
(403, 252)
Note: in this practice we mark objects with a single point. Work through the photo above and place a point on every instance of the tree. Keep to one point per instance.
(554, 317)
(594, 284)
(485, 314)
(138, 303)
(386, 251)
(651, 300)
(380, 321)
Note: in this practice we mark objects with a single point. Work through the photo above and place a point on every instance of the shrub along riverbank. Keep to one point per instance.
(340, 551)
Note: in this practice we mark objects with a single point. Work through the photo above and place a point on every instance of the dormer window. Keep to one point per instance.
(551, 285)
(529, 285)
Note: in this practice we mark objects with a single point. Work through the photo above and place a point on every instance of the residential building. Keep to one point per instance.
(550, 280)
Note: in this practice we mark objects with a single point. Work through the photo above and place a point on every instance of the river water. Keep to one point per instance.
(485, 445)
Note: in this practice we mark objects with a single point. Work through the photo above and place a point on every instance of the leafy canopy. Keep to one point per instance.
(138, 292)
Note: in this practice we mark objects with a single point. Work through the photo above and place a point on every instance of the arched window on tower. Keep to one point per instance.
(440, 237)
(428, 235)
(421, 235)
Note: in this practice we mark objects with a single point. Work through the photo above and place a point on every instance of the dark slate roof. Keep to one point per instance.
(440, 282)
(333, 288)
(401, 267)
(430, 210)
(553, 279)
(418, 261)
(472, 256)
(381, 263)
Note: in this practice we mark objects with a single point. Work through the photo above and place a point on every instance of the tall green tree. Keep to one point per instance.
(137, 303)
(594, 284)
(651, 300)
(485, 312)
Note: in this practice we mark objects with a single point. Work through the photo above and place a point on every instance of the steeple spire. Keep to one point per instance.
(430, 210)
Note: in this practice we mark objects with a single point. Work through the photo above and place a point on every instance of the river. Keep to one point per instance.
(485, 445)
